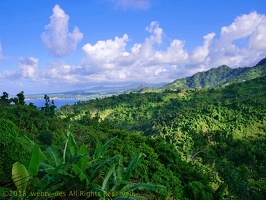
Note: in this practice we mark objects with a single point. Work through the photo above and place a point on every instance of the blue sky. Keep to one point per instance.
(52, 46)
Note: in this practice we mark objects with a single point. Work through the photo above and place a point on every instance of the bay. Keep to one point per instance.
(58, 102)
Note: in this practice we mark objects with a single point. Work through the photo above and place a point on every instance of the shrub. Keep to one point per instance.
(46, 137)
(11, 149)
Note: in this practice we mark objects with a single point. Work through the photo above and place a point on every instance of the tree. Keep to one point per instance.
(4, 99)
(21, 98)
(49, 108)
(4, 96)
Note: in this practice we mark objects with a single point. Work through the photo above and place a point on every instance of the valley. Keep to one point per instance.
(171, 142)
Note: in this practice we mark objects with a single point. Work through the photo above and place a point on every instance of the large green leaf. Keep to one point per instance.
(53, 170)
(131, 166)
(56, 159)
(47, 167)
(119, 174)
(20, 176)
(82, 175)
(31, 144)
(34, 164)
(83, 149)
(72, 145)
(82, 163)
(107, 176)
(97, 167)
(100, 148)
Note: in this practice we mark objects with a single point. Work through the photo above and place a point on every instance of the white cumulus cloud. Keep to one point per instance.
(60, 72)
(242, 26)
(174, 54)
(113, 60)
(249, 28)
(28, 67)
(57, 38)
(199, 54)
(156, 31)
(104, 55)
(257, 39)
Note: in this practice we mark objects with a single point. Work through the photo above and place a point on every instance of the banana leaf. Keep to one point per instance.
(34, 164)
(20, 176)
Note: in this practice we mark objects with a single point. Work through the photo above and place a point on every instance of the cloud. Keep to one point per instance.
(114, 60)
(104, 55)
(57, 38)
(239, 44)
(156, 31)
(144, 52)
(174, 54)
(131, 4)
(28, 69)
(257, 39)
(110, 60)
(61, 72)
(242, 26)
(199, 54)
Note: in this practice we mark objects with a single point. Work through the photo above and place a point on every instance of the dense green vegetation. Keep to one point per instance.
(219, 133)
(183, 144)
(216, 77)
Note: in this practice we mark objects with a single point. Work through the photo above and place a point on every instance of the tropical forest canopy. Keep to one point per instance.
(195, 142)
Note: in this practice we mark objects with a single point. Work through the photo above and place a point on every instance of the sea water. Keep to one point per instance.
(58, 102)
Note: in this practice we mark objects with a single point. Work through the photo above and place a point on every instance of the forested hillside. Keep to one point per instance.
(219, 76)
(184, 144)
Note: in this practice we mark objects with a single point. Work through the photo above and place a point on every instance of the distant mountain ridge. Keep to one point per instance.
(212, 78)
(219, 76)
(95, 92)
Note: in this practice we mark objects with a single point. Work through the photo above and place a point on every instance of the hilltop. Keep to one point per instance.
(214, 77)
(219, 76)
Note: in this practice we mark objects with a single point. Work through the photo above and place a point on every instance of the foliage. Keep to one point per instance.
(11, 149)
(46, 137)
(198, 143)
(216, 77)
(203, 126)
(106, 177)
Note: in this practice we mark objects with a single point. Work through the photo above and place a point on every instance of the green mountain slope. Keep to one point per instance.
(200, 143)
(216, 77)
(220, 131)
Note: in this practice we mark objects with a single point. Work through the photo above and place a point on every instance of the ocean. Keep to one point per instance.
(58, 102)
